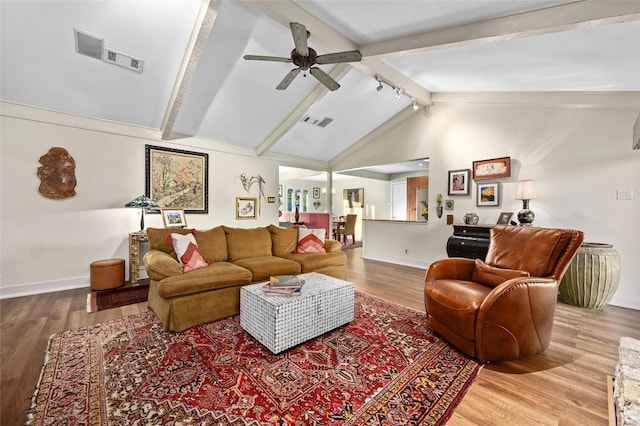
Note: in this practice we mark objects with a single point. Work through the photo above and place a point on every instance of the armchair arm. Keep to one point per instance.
(455, 268)
(516, 319)
(160, 265)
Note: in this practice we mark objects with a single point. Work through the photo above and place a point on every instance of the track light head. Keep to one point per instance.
(415, 105)
(379, 88)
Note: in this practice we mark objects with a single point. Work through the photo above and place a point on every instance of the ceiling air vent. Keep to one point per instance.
(90, 45)
(319, 122)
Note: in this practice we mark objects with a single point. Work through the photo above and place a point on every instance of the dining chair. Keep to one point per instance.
(349, 228)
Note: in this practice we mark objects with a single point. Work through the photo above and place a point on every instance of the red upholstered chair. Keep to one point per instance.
(502, 309)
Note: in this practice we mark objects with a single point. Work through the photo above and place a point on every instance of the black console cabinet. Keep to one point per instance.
(470, 241)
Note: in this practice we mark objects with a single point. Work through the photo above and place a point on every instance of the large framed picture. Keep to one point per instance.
(492, 169)
(353, 198)
(459, 182)
(174, 218)
(246, 208)
(177, 179)
(488, 195)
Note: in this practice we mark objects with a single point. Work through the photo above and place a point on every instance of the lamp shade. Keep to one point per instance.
(142, 202)
(526, 190)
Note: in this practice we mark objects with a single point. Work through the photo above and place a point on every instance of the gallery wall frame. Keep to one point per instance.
(459, 182)
(504, 218)
(174, 218)
(246, 208)
(177, 179)
(494, 168)
(488, 194)
(353, 198)
(316, 193)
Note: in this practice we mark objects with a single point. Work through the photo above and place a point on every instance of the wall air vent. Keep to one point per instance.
(318, 122)
(90, 45)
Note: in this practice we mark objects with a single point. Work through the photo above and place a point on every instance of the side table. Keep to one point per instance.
(470, 241)
(135, 238)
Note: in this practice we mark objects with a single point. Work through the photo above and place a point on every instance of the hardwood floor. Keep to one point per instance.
(565, 386)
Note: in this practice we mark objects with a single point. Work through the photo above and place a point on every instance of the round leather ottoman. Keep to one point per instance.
(107, 274)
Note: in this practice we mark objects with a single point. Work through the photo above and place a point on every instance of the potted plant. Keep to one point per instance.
(425, 209)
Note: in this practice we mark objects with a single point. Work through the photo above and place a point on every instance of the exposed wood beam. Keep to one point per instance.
(565, 17)
(316, 94)
(202, 28)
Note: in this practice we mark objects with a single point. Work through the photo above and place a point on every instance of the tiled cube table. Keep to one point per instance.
(281, 322)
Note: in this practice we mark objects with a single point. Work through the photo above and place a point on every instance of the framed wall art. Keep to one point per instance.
(177, 179)
(504, 218)
(488, 195)
(246, 208)
(492, 169)
(316, 193)
(174, 218)
(353, 198)
(459, 182)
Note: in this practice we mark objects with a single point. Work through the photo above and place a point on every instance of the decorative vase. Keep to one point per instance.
(592, 277)
(471, 219)
(297, 215)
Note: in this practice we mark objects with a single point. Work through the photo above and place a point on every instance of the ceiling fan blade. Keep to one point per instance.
(339, 57)
(286, 81)
(266, 58)
(324, 78)
(300, 35)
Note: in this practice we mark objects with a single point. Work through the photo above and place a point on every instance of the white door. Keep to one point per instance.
(399, 200)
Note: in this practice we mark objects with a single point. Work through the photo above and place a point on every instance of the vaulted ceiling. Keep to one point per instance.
(195, 82)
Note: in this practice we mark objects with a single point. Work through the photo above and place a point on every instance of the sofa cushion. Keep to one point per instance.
(213, 244)
(283, 240)
(265, 266)
(310, 262)
(493, 276)
(187, 251)
(310, 240)
(243, 243)
(213, 277)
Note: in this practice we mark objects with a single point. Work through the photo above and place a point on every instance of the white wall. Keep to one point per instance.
(578, 155)
(49, 244)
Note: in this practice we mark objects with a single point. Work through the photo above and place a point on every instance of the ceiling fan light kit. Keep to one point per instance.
(304, 58)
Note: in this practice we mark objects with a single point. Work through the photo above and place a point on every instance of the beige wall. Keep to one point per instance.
(578, 155)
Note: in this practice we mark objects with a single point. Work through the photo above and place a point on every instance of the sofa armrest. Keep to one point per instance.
(332, 245)
(160, 265)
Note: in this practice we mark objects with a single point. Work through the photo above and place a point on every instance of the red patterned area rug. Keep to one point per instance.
(385, 367)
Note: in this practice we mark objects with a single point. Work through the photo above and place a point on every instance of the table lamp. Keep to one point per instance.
(526, 191)
(143, 203)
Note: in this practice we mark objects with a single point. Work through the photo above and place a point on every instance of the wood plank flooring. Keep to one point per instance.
(567, 385)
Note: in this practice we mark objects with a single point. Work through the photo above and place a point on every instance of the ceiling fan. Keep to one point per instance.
(305, 58)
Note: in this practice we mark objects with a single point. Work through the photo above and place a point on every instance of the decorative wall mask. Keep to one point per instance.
(57, 174)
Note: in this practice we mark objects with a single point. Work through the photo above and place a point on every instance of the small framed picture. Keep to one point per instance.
(459, 182)
(246, 208)
(448, 204)
(174, 218)
(492, 169)
(316, 193)
(504, 218)
(280, 191)
(488, 195)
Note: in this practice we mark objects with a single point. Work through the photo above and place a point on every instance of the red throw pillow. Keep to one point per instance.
(310, 241)
(187, 252)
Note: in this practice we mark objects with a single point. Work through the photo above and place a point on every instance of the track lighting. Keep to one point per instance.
(415, 105)
(398, 92)
(380, 87)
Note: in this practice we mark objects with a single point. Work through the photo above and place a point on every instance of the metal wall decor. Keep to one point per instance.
(57, 174)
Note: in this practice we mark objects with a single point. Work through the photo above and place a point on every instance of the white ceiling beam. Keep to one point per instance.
(205, 19)
(296, 115)
(565, 17)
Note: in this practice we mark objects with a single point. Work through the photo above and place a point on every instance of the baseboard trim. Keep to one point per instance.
(398, 261)
(43, 287)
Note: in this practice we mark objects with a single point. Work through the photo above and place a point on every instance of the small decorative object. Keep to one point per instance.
(296, 215)
(592, 277)
(425, 209)
(492, 169)
(177, 178)
(449, 219)
(504, 218)
(471, 219)
(174, 218)
(316, 193)
(316, 204)
(459, 182)
(246, 208)
(439, 205)
(526, 191)
(488, 195)
(57, 174)
(247, 182)
(143, 203)
(448, 204)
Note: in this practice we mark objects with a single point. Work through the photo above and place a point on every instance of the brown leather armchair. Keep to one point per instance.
(502, 308)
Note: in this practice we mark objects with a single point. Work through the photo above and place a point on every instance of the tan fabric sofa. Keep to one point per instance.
(239, 257)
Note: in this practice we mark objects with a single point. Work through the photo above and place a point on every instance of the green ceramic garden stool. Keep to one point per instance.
(592, 277)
